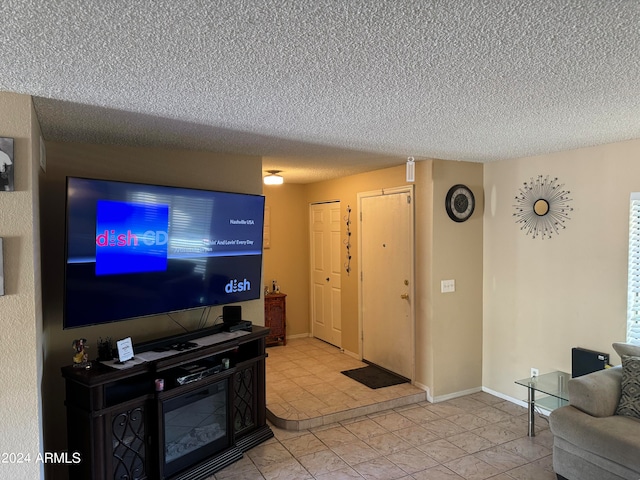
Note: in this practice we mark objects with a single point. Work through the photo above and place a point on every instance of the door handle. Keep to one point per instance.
(404, 296)
(327, 279)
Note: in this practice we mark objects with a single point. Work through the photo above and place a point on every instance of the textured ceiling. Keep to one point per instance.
(322, 88)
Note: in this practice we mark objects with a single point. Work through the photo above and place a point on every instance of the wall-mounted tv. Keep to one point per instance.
(136, 250)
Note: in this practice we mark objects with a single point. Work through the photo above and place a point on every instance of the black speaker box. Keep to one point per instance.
(231, 314)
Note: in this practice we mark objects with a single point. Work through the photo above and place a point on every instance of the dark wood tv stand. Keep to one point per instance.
(114, 417)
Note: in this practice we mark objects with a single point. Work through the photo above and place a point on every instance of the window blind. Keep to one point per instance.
(633, 286)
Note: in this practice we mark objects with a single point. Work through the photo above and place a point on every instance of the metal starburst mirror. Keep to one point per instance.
(542, 207)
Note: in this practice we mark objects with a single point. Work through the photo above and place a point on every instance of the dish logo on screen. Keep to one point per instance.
(236, 286)
(131, 237)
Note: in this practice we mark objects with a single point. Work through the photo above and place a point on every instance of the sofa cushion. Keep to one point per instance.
(573, 462)
(623, 349)
(616, 438)
(596, 393)
(629, 403)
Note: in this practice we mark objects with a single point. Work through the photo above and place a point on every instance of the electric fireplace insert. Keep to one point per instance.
(194, 426)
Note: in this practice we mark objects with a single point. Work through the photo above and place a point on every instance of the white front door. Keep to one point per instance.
(387, 280)
(326, 269)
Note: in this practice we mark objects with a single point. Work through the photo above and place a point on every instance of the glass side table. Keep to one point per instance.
(554, 385)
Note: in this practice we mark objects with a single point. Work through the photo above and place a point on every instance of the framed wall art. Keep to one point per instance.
(6, 164)
(543, 207)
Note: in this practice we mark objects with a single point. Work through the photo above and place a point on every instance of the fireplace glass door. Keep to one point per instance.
(195, 426)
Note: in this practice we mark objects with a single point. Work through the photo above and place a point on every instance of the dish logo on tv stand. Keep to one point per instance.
(235, 286)
(131, 237)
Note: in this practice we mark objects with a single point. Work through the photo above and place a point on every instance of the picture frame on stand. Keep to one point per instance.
(6, 165)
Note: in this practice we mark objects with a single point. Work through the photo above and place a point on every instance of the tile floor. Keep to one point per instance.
(474, 437)
(305, 388)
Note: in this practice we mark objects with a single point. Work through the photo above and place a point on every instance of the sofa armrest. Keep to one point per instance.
(597, 393)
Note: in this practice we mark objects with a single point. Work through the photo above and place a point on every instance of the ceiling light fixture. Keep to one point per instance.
(411, 169)
(273, 178)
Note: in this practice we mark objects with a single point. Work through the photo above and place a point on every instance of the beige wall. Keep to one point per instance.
(287, 260)
(21, 351)
(455, 321)
(165, 167)
(543, 297)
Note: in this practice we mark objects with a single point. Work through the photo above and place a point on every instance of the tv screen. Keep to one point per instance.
(135, 250)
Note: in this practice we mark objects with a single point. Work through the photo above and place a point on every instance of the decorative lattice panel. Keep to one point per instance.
(128, 434)
(243, 384)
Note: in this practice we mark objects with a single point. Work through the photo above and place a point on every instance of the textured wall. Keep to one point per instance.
(20, 315)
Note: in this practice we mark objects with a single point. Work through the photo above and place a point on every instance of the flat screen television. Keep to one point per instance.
(135, 250)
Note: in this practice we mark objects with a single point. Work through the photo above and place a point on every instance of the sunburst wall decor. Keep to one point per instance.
(542, 207)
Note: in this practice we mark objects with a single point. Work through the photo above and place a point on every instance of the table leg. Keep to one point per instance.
(532, 422)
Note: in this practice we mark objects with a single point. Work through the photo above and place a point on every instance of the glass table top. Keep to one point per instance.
(554, 384)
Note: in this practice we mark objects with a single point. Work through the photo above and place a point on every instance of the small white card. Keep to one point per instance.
(125, 349)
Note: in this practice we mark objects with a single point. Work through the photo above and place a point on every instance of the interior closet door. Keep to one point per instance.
(326, 318)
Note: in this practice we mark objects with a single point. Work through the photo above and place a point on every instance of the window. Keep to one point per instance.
(633, 286)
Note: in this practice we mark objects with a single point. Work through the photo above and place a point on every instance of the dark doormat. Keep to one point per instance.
(374, 377)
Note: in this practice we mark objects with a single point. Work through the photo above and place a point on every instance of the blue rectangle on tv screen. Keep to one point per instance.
(135, 250)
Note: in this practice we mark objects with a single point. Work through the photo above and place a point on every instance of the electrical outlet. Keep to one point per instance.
(534, 372)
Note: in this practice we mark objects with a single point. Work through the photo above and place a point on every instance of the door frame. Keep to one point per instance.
(410, 189)
(311, 303)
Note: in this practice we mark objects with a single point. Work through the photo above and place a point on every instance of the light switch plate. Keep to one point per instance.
(448, 286)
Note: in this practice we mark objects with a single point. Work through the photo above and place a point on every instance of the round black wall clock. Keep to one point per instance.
(460, 203)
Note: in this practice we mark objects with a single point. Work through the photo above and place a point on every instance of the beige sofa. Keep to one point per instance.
(592, 442)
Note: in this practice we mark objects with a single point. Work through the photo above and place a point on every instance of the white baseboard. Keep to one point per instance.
(522, 403)
(449, 396)
(426, 389)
